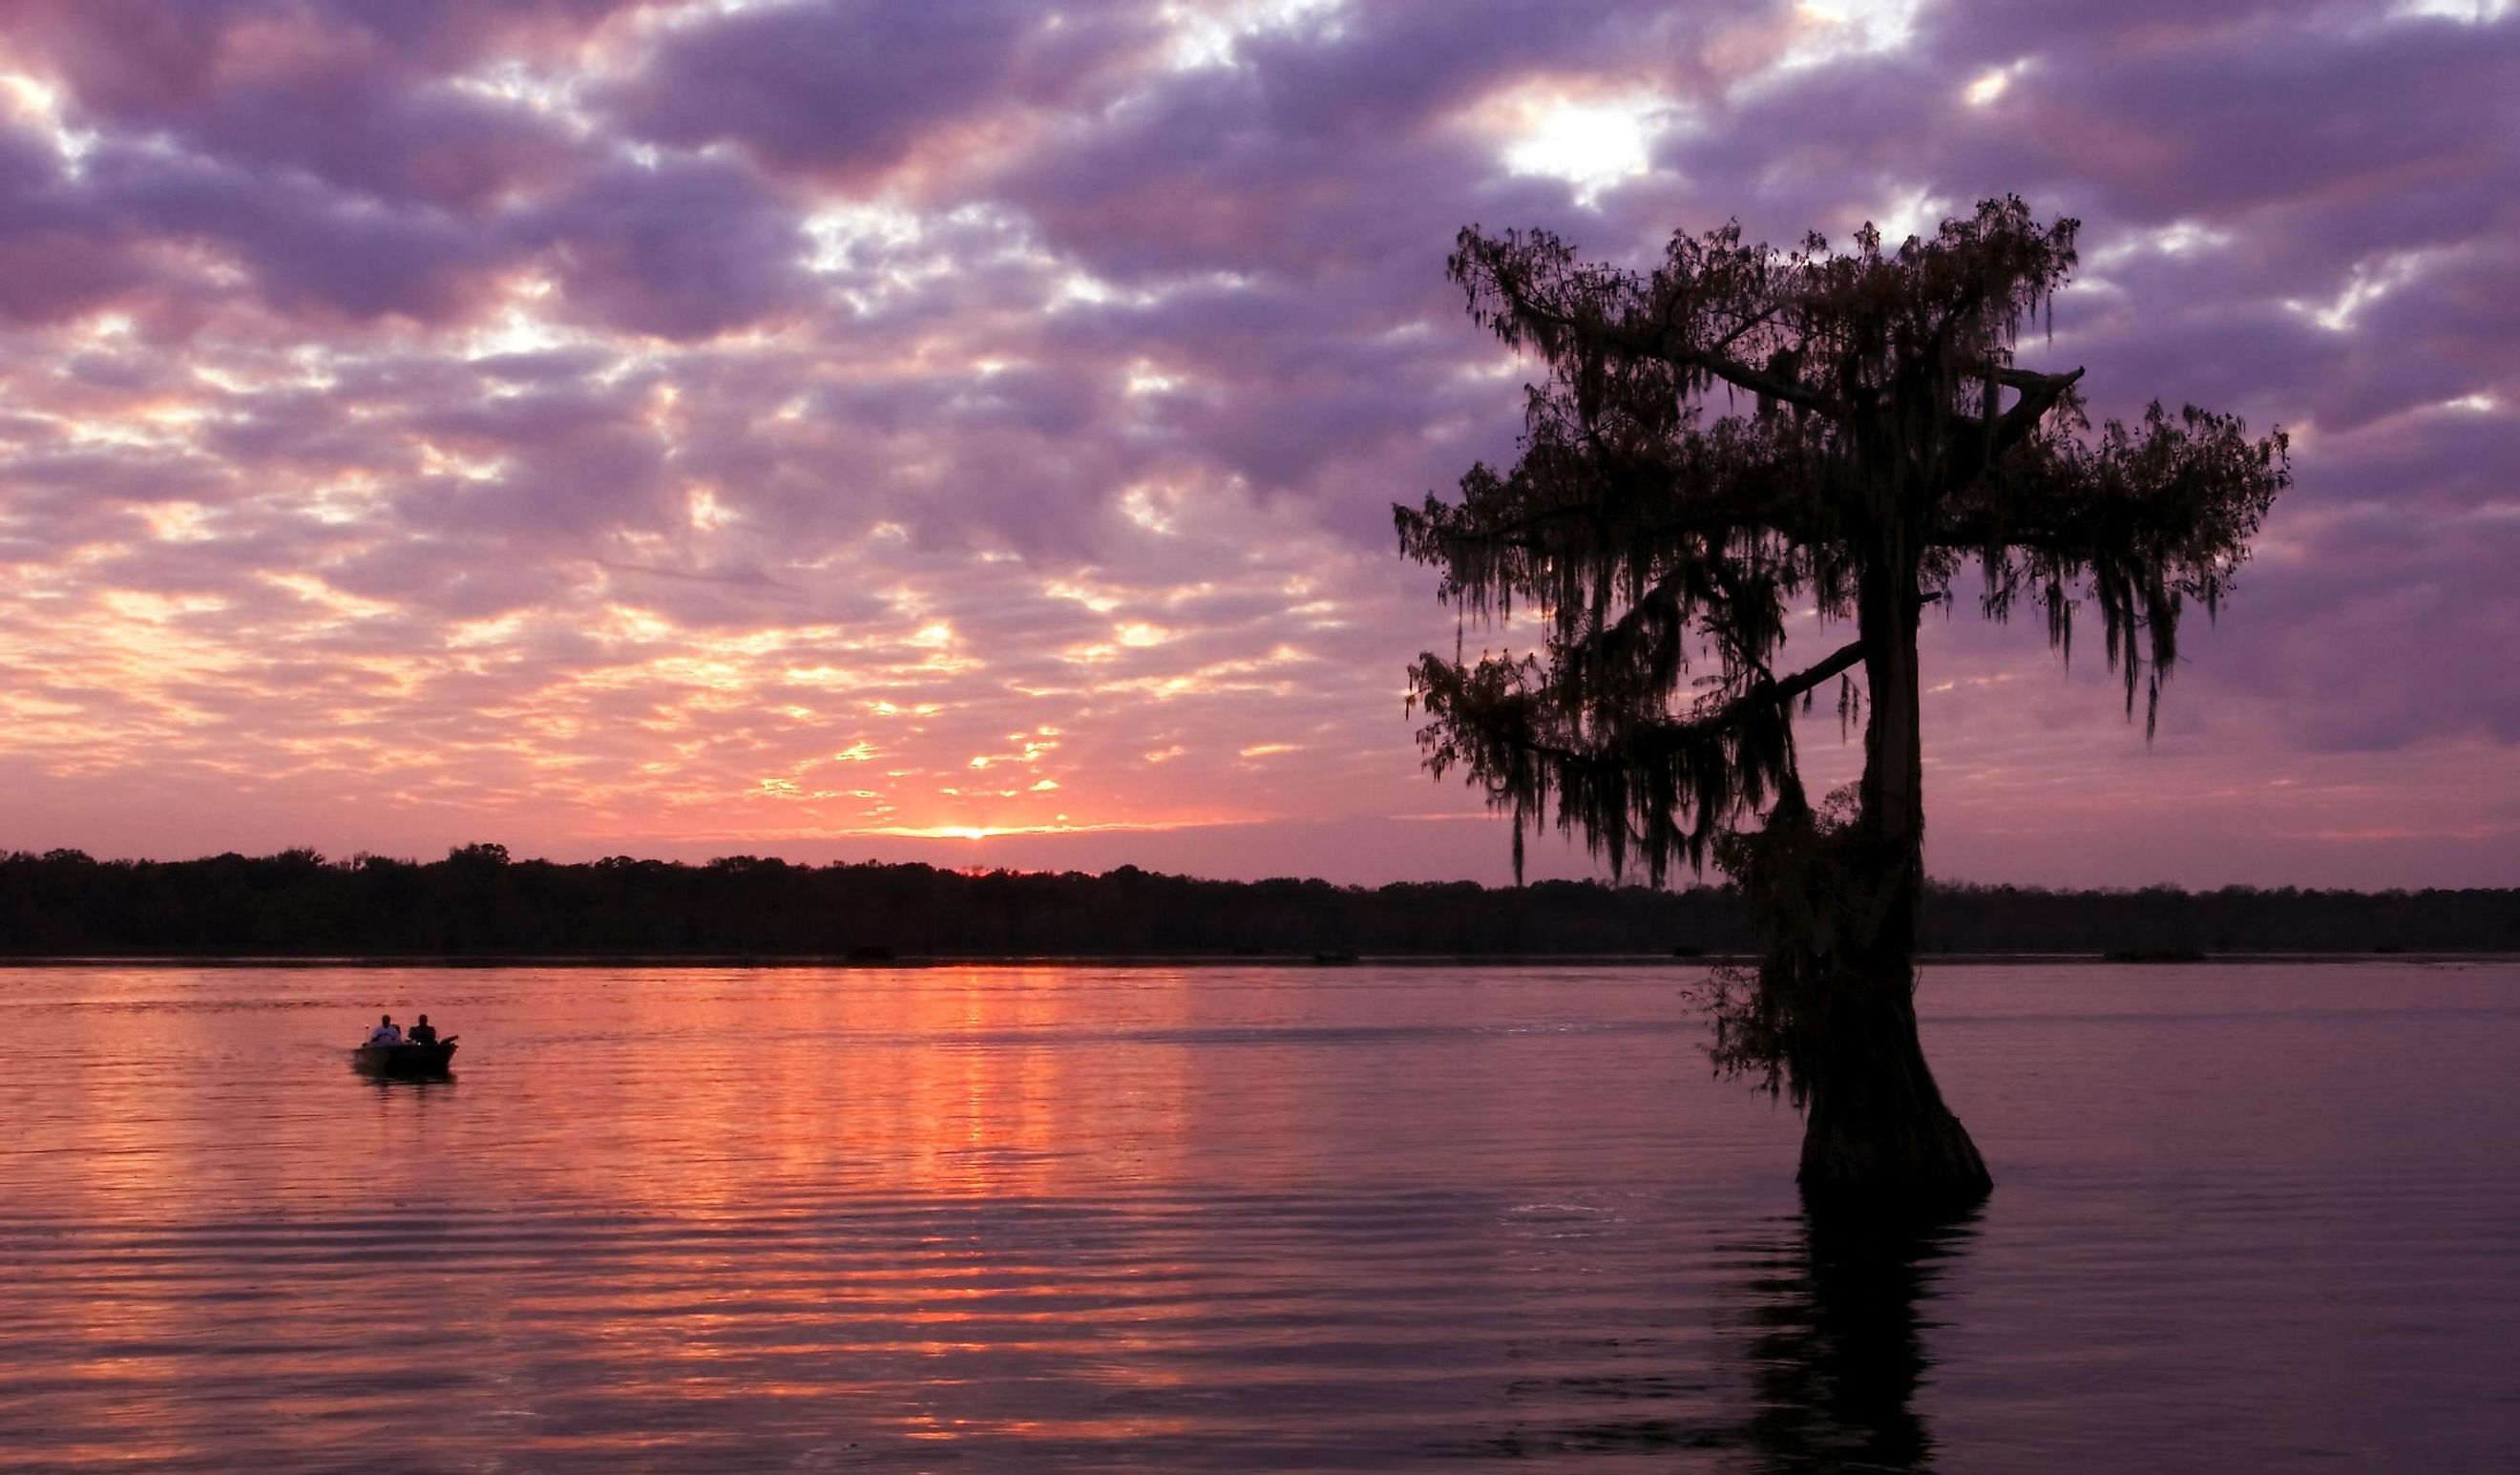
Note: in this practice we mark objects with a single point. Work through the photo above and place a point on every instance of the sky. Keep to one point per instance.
(967, 432)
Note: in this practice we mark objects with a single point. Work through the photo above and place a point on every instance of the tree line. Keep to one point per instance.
(479, 902)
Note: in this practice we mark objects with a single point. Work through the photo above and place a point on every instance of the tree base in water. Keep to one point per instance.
(1927, 1168)
(1879, 1131)
(1878, 1127)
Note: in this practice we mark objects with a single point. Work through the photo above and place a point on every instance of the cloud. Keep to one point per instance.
(376, 101)
(684, 249)
(845, 93)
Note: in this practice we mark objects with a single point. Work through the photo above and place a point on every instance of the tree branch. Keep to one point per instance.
(2039, 394)
(1731, 371)
(1742, 375)
(1839, 660)
(1761, 695)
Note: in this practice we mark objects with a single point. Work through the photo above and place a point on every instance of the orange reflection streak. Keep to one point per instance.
(909, 1091)
(844, 1064)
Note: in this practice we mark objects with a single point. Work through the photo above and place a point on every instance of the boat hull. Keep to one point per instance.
(404, 1059)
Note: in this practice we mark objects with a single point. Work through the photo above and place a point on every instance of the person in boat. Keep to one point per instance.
(386, 1032)
(422, 1032)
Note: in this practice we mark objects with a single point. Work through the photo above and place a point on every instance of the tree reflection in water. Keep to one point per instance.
(1834, 1357)
(1838, 1355)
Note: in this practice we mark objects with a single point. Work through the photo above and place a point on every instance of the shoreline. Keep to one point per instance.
(661, 962)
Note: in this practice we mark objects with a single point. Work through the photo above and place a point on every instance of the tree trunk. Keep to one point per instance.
(1877, 1129)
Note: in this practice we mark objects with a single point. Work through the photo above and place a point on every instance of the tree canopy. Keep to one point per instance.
(1742, 432)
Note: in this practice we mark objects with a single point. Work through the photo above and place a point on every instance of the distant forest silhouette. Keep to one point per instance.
(478, 903)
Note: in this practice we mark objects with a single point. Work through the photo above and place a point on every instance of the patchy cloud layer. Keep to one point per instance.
(861, 427)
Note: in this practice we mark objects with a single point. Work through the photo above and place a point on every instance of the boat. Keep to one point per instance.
(404, 1059)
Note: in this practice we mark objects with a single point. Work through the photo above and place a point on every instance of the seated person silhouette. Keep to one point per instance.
(384, 1033)
(422, 1032)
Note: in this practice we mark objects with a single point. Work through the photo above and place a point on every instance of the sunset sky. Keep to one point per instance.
(965, 429)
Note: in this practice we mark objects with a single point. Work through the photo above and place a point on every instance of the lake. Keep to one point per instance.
(2247, 1216)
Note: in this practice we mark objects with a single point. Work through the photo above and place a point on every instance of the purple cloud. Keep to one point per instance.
(844, 93)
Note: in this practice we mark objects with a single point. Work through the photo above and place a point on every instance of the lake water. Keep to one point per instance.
(2247, 1218)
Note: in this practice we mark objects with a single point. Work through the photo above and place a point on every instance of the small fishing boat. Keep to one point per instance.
(404, 1059)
